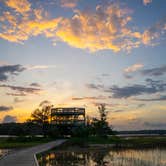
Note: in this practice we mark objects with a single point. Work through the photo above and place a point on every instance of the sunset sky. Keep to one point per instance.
(83, 53)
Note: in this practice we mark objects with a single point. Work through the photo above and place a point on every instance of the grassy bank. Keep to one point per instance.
(21, 142)
(120, 142)
(140, 142)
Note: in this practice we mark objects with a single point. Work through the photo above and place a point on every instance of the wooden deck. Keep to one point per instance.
(27, 157)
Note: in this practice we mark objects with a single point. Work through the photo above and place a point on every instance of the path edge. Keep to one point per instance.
(36, 161)
(35, 157)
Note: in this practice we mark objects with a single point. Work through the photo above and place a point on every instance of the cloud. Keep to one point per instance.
(5, 108)
(145, 2)
(141, 105)
(20, 6)
(8, 70)
(151, 87)
(16, 94)
(21, 91)
(16, 28)
(128, 76)
(69, 3)
(36, 67)
(108, 105)
(35, 84)
(151, 35)
(155, 125)
(106, 27)
(133, 68)
(17, 100)
(89, 98)
(160, 98)
(105, 75)
(158, 71)
(94, 86)
(9, 119)
(117, 111)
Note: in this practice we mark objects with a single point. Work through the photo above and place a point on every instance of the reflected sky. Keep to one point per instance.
(104, 157)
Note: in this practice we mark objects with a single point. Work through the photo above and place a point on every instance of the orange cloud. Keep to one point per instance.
(20, 29)
(20, 6)
(106, 27)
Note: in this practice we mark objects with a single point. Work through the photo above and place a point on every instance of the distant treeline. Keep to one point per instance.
(160, 132)
(36, 129)
(20, 129)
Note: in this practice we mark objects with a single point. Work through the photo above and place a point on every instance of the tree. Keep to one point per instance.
(100, 126)
(41, 116)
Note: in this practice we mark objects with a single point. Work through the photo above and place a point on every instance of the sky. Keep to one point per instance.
(82, 53)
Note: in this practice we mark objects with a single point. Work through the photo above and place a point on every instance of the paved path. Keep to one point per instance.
(26, 157)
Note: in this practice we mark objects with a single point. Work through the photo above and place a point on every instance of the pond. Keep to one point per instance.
(104, 157)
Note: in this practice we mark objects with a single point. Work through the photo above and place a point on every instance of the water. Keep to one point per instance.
(104, 157)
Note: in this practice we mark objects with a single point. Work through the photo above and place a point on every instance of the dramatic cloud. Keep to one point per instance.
(8, 70)
(151, 87)
(16, 28)
(69, 3)
(106, 27)
(145, 2)
(5, 108)
(9, 119)
(133, 68)
(21, 91)
(158, 71)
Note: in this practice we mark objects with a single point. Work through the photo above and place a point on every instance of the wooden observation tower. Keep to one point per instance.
(71, 116)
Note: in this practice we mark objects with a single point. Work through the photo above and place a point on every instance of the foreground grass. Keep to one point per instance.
(121, 142)
(21, 142)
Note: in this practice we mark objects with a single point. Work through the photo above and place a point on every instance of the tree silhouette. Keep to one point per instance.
(100, 126)
(41, 116)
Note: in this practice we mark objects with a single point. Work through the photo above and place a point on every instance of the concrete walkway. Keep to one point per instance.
(27, 157)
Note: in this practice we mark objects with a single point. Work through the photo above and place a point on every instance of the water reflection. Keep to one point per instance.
(3, 152)
(104, 157)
